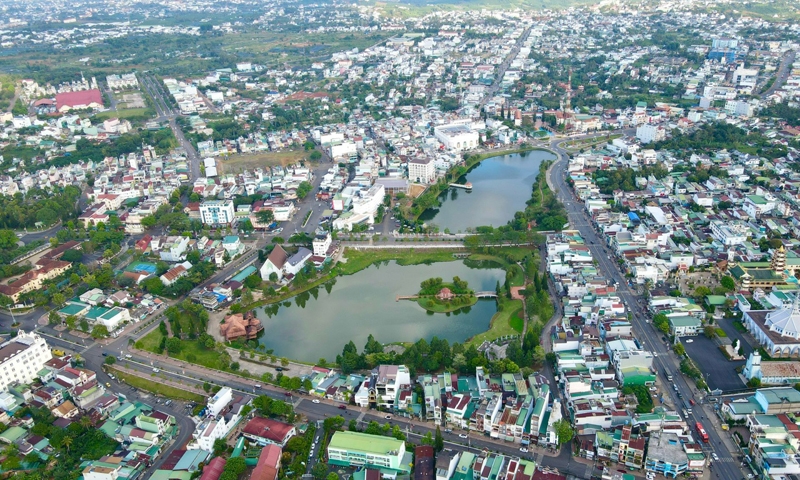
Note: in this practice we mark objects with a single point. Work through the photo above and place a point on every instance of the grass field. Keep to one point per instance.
(134, 113)
(517, 322)
(151, 341)
(157, 388)
(240, 162)
(501, 325)
(359, 260)
(193, 352)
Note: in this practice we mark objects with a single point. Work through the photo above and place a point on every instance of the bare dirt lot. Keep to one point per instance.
(247, 161)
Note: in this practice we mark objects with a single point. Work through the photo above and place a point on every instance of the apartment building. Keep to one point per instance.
(217, 212)
(21, 358)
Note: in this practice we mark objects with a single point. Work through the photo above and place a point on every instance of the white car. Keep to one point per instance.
(462, 435)
(315, 401)
(714, 456)
(523, 450)
(689, 341)
(155, 370)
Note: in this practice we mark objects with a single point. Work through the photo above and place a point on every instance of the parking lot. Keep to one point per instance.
(720, 373)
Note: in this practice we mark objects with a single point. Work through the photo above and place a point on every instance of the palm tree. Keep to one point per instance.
(66, 443)
(85, 422)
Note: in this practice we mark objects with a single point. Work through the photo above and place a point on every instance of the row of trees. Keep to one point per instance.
(422, 356)
(38, 206)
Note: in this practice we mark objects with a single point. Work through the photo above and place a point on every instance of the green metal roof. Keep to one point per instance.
(364, 443)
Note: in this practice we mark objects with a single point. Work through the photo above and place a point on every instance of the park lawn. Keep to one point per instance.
(517, 276)
(359, 260)
(202, 355)
(158, 388)
(151, 341)
(500, 325)
(126, 113)
(240, 162)
(439, 307)
(517, 321)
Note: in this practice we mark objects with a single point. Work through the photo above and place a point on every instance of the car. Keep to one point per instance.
(462, 435)
(689, 341)
(680, 395)
(523, 450)
(691, 400)
(315, 401)
(387, 417)
(288, 394)
(108, 385)
(257, 387)
(155, 370)
(278, 369)
(342, 407)
(653, 389)
(128, 356)
(714, 456)
(105, 354)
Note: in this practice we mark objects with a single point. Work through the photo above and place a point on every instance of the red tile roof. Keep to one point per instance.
(268, 429)
(80, 98)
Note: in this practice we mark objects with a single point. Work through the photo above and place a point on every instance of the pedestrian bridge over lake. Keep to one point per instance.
(487, 294)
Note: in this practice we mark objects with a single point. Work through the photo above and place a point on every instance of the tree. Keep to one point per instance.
(315, 156)
(438, 441)
(53, 318)
(273, 277)
(680, 350)
(319, 471)
(754, 382)
(220, 446)
(701, 292)
(174, 345)
(206, 387)
(99, 331)
(728, 283)
(304, 189)
(709, 331)
(564, 431)
(265, 216)
(110, 360)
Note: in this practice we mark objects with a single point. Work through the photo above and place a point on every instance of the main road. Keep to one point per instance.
(782, 74)
(501, 71)
(648, 337)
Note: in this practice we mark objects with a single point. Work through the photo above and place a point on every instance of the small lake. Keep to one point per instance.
(500, 187)
(320, 322)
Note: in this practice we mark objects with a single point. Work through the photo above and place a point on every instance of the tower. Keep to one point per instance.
(779, 262)
(568, 103)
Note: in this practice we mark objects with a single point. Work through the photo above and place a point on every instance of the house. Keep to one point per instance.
(173, 274)
(296, 262)
(274, 263)
(683, 325)
(265, 431)
(240, 326)
(269, 462)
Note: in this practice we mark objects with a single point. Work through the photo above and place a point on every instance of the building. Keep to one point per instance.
(321, 244)
(117, 82)
(353, 449)
(173, 274)
(274, 263)
(672, 455)
(217, 212)
(771, 373)
(80, 100)
(21, 359)
(45, 269)
(219, 401)
(729, 234)
(269, 462)
(456, 137)
(647, 133)
(385, 382)
(777, 331)
(685, 325)
(424, 463)
(421, 170)
(266, 431)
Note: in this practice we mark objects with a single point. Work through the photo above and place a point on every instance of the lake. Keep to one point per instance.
(500, 187)
(320, 322)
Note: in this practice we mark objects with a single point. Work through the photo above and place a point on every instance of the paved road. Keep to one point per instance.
(501, 71)
(165, 112)
(649, 338)
(784, 70)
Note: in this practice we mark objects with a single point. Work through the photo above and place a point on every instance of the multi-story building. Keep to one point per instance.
(21, 358)
(217, 212)
(421, 170)
(456, 137)
(647, 133)
(353, 449)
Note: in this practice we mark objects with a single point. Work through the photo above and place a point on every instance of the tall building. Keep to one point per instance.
(421, 170)
(21, 358)
(217, 212)
(370, 451)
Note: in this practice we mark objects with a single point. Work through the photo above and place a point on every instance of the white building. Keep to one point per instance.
(421, 170)
(21, 358)
(207, 432)
(217, 212)
(321, 244)
(210, 167)
(367, 202)
(456, 137)
(219, 401)
(729, 234)
(778, 331)
(116, 82)
(647, 133)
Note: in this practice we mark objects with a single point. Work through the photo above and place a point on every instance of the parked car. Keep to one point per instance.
(462, 435)
(523, 450)
(315, 401)
(342, 407)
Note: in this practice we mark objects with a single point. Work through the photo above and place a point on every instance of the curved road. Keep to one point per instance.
(649, 338)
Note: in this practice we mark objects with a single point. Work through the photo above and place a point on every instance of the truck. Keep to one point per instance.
(701, 432)
(667, 374)
(687, 406)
